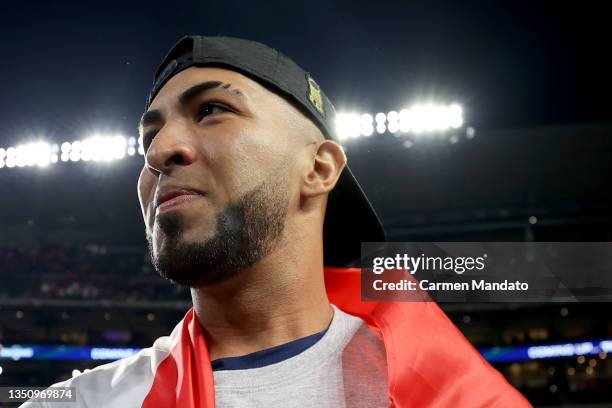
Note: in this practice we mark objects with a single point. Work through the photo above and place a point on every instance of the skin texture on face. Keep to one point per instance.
(244, 150)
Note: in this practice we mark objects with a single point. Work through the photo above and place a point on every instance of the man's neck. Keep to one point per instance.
(271, 303)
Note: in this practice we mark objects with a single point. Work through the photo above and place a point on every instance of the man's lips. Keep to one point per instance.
(170, 197)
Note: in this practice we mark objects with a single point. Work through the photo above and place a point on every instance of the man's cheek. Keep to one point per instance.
(145, 191)
(155, 236)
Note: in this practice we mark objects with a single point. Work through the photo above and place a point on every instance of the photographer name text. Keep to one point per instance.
(411, 285)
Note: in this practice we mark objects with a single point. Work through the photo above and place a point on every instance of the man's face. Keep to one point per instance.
(217, 180)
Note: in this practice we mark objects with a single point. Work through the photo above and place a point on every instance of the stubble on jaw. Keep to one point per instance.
(246, 231)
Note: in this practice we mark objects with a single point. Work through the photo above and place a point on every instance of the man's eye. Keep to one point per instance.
(207, 109)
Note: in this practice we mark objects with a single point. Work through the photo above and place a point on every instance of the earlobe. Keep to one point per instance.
(327, 164)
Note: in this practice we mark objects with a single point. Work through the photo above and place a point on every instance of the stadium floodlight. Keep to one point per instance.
(21, 155)
(31, 154)
(75, 155)
(11, 157)
(455, 116)
(348, 125)
(366, 127)
(103, 148)
(406, 117)
(381, 119)
(432, 118)
(393, 122)
(76, 146)
(140, 146)
(416, 120)
(40, 154)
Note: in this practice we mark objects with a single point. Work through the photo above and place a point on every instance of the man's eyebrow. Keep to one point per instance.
(150, 118)
(188, 95)
(155, 116)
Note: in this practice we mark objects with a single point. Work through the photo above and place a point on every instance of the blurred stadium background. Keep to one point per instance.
(78, 288)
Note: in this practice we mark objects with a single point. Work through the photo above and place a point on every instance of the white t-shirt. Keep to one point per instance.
(344, 368)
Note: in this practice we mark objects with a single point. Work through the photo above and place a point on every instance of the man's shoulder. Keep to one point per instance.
(146, 360)
(121, 383)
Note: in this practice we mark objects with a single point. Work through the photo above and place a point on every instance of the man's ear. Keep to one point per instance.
(326, 165)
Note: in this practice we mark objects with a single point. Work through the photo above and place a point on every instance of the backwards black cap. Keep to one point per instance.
(350, 218)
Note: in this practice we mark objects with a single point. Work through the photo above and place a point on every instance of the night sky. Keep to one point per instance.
(71, 68)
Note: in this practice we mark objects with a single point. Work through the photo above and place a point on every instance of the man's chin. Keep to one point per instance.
(194, 265)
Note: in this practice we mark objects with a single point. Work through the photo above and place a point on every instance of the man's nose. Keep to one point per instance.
(171, 147)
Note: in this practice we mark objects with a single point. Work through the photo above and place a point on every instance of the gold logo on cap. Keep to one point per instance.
(314, 94)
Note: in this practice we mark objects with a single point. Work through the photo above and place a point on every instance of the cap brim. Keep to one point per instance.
(350, 220)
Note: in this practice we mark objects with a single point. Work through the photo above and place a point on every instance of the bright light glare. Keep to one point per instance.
(103, 148)
(348, 125)
(430, 118)
(75, 156)
(417, 119)
(31, 154)
(96, 148)
(366, 128)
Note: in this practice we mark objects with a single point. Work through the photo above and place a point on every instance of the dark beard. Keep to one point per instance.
(246, 231)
